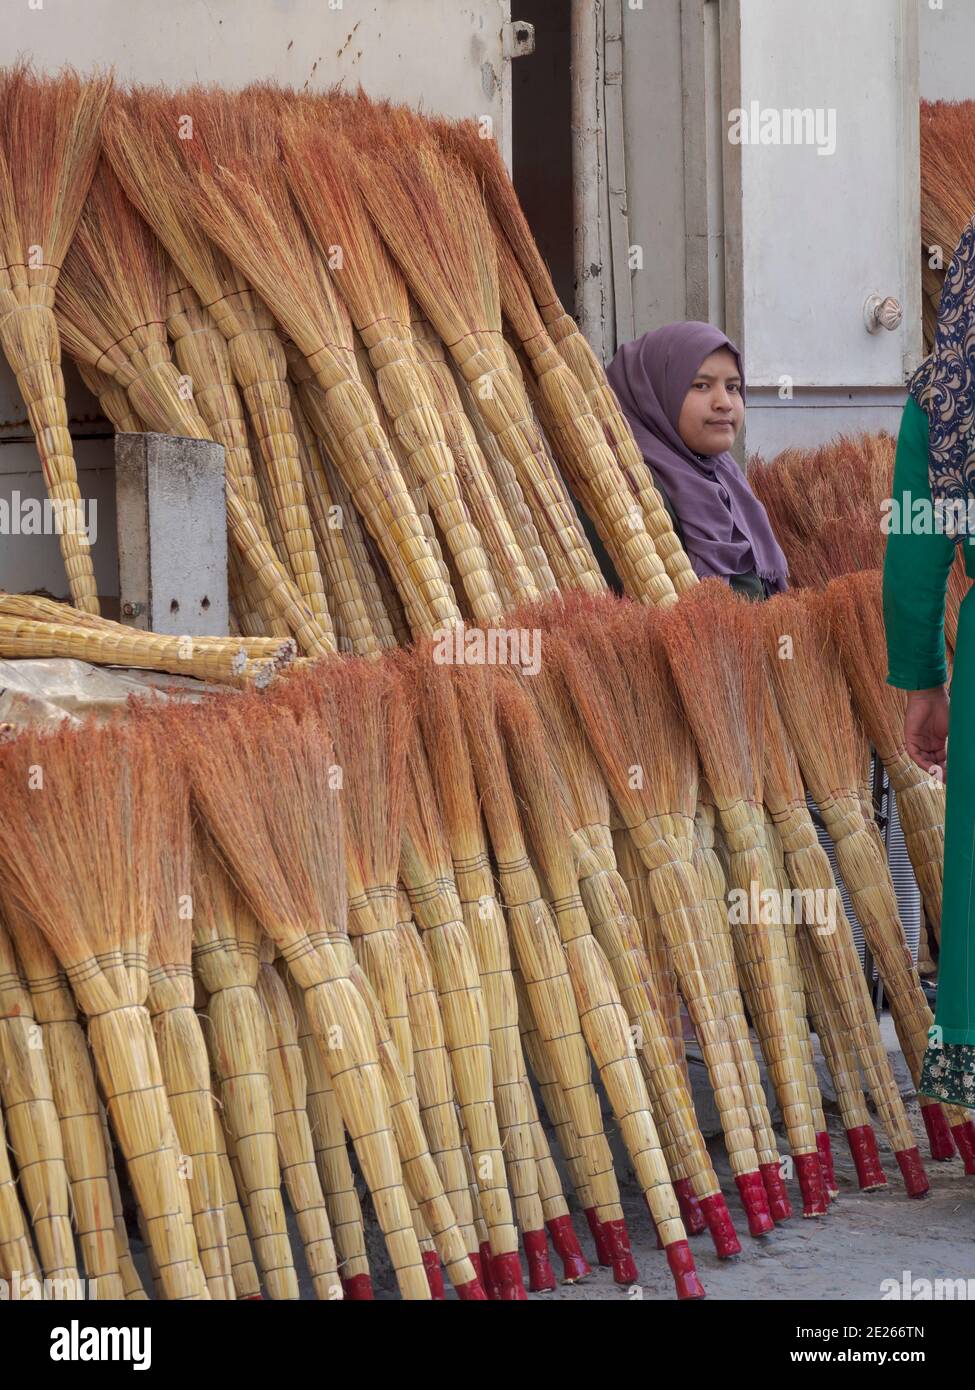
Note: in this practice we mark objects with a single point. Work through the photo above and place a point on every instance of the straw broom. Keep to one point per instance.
(16, 1252)
(434, 1082)
(144, 140)
(296, 1152)
(648, 762)
(580, 445)
(377, 600)
(243, 1271)
(225, 960)
(835, 951)
(331, 1156)
(541, 957)
(242, 202)
(73, 1091)
(370, 730)
(515, 240)
(610, 912)
(79, 856)
(430, 215)
(807, 685)
(240, 756)
(318, 160)
(517, 582)
(603, 1018)
(427, 873)
(110, 310)
(370, 725)
(557, 1110)
(32, 1125)
(503, 477)
(414, 486)
(346, 598)
(48, 151)
(715, 659)
(853, 610)
(179, 1039)
(714, 879)
(439, 717)
(291, 762)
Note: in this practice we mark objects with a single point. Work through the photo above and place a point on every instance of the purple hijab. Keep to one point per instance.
(726, 529)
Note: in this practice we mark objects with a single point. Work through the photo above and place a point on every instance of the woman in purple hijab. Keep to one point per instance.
(682, 389)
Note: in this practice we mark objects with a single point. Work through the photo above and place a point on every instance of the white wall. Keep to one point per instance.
(442, 55)
(947, 50)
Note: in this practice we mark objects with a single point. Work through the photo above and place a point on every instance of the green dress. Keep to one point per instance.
(916, 568)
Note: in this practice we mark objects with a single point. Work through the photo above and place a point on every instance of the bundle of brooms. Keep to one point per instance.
(430, 216)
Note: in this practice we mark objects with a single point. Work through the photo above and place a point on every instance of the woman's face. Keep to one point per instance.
(713, 408)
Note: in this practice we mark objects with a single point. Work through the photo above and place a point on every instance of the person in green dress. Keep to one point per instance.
(932, 511)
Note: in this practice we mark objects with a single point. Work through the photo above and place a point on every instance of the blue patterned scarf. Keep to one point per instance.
(944, 388)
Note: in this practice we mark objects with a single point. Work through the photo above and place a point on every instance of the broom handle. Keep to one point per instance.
(410, 407)
(505, 481)
(238, 1047)
(504, 547)
(342, 414)
(548, 984)
(504, 408)
(595, 476)
(103, 1246)
(35, 1140)
(372, 928)
(259, 366)
(582, 361)
(682, 917)
(833, 1036)
(202, 357)
(345, 593)
(296, 1152)
(486, 929)
(128, 1070)
(435, 1093)
(553, 1098)
(16, 1251)
(30, 342)
(608, 907)
(243, 1271)
(763, 957)
(328, 1134)
(439, 917)
(921, 811)
(809, 868)
(342, 1022)
(130, 1275)
(186, 1074)
(359, 554)
(712, 875)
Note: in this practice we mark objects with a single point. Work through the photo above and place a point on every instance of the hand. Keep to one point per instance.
(926, 729)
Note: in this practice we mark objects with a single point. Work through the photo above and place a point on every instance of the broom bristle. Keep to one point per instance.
(427, 206)
(141, 143)
(852, 609)
(48, 152)
(81, 815)
(483, 157)
(114, 276)
(241, 200)
(715, 655)
(319, 164)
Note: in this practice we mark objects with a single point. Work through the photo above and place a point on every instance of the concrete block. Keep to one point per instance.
(172, 534)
